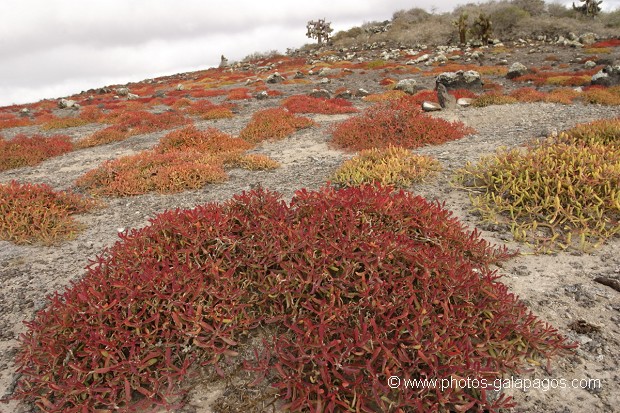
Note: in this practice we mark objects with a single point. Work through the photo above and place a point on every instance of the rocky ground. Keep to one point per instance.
(559, 288)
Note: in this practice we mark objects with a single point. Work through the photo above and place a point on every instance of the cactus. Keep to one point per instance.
(482, 28)
(461, 25)
(319, 30)
(589, 7)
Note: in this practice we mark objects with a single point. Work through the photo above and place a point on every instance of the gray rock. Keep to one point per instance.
(469, 80)
(516, 69)
(122, 91)
(409, 86)
(346, 94)
(608, 76)
(446, 100)
(275, 78)
(588, 38)
(441, 58)
(132, 96)
(180, 87)
(430, 106)
(422, 59)
(589, 64)
(67, 103)
(464, 102)
(360, 93)
(320, 93)
(262, 95)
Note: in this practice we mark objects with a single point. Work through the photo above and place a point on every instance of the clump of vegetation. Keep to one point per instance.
(209, 141)
(602, 96)
(489, 99)
(309, 104)
(273, 124)
(198, 287)
(127, 124)
(395, 123)
(35, 213)
(393, 166)
(239, 93)
(9, 120)
(64, 123)
(150, 171)
(255, 162)
(25, 150)
(383, 96)
(603, 131)
(556, 193)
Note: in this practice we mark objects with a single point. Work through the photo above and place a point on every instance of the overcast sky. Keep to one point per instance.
(54, 48)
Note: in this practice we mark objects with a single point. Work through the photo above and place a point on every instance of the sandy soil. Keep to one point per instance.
(558, 288)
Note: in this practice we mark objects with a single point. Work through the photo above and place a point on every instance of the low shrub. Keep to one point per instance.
(273, 124)
(568, 80)
(309, 104)
(394, 166)
(207, 110)
(606, 43)
(385, 96)
(150, 171)
(64, 123)
(565, 96)
(35, 213)
(254, 162)
(395, 123)
(211, 141)
(8, 120)
(240, 93)
(489, 99)
(602, 96)
(104, 136)
(551, 194)
(29, 151)
(346, 288)
(528, 94)
(128, 124)
(603, 131)
(217, 112)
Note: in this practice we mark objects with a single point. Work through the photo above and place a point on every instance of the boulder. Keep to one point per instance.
(345, 94)
(469, 80)
(516, 69)
(589, 64)
(430, 106)
(360, 93)
(67, 103)
(464, 102)
(608, 76)
(122, 91)
(446, 100)
(409, 86)
(320, 93)
(420, 59)
(275, 78)
(588, 38)
(132, 96)
(262, 95)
